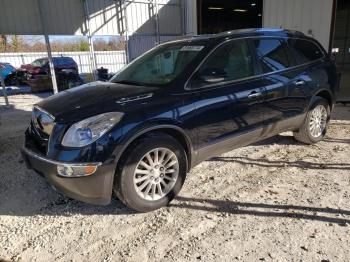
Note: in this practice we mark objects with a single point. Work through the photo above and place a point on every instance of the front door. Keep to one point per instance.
(228, 99)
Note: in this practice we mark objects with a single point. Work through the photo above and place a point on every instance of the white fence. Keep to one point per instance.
(113, 60)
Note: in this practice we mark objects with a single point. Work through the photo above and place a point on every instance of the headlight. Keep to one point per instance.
(89, 130)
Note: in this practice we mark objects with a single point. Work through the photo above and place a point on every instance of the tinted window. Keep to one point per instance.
(305, 51)
(272, 54)
(40, 62)
(229, 62)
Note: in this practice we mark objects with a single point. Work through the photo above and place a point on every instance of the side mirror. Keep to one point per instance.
(213, 75)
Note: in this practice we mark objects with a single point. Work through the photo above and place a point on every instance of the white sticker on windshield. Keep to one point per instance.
(195, 48)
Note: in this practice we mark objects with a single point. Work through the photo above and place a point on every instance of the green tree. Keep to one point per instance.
(16, 43)
(3, 43)
(83, 45)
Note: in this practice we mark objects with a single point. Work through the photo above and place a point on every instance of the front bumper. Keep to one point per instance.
(93, 189)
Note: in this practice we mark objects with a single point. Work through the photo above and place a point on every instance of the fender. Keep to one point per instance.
(151, 126)
(313, 98)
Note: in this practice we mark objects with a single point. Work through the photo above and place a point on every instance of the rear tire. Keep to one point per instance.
(151, 173)
(316, 123)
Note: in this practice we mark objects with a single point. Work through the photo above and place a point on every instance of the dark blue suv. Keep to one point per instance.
(175, 106)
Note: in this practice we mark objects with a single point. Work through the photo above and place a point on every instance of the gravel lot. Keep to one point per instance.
(277, 200)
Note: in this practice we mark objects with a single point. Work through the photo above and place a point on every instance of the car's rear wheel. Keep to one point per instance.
(151, 173)
(316, 123)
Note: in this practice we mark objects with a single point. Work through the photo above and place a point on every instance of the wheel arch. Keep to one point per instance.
(172, 130)
(326, 94)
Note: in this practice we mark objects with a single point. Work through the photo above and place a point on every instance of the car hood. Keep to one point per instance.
(96, 98)
(29, 68)
(26, 67)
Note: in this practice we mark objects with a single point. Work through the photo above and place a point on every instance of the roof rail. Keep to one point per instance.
(263, 29)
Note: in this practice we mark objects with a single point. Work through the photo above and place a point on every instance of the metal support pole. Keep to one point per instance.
(120, 7)
(157, 22)
(80, 65)
(48, 47)
(51, 65)
(184, 17)
(93, 63)
(22, 58)
(92, 57)
(126, 33)
(4, 88)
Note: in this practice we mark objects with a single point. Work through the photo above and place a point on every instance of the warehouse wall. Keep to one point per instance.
(312, 17)
(142, 17)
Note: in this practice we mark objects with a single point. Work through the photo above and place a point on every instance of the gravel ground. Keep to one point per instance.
(277, 200)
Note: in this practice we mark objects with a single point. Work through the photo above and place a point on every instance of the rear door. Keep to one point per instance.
(310, 58)
(284, 85)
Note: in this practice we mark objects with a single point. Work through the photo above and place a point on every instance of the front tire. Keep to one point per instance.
(151, 173)
(316, 123)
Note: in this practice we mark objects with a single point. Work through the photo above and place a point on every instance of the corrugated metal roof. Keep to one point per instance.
(22, 17)
(18, 16)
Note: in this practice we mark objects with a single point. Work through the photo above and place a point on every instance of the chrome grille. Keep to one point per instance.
(42, 122)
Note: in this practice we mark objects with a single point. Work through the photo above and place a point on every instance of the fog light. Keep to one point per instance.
(75, 171)
(65, 170)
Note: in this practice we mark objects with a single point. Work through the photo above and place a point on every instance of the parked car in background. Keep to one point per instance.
(41, 66)
(37, 73)
(8, 73)
(180, 103)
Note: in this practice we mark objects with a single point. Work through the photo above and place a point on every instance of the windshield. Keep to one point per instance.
(39, 62)
(159, 66)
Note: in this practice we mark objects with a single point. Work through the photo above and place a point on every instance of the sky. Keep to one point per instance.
(64, 38)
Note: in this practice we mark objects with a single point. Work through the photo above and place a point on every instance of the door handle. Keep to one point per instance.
(299, 83)
(254, 94)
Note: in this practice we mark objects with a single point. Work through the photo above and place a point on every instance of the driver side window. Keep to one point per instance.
(231, 61)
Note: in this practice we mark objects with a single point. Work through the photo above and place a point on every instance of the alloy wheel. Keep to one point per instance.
(156, 174)
(318, 120)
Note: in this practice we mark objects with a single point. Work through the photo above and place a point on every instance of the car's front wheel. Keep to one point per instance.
(151, 173)
(316, 123)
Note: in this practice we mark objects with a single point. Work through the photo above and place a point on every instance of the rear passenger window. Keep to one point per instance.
(273, 54)
(305, 51)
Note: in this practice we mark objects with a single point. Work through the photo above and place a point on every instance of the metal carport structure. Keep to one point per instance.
(42, 17)
(96, 18)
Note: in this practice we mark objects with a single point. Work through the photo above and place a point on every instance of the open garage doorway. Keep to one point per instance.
(215, 16)
(341, 47)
